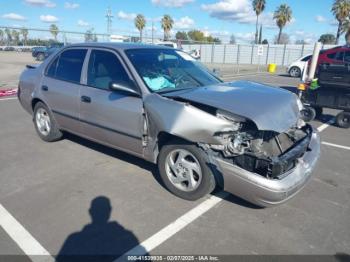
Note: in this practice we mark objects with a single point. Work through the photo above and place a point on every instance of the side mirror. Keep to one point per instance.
(126, 87)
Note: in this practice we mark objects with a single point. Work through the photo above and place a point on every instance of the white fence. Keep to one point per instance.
(251, 54)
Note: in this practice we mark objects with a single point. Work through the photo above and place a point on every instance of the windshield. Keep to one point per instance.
(166, 70)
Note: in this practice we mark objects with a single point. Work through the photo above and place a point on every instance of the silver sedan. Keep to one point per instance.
(162, 105)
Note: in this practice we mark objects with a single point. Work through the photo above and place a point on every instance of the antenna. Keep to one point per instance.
(109, 17)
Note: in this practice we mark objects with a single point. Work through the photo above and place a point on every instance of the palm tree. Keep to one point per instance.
(346, 30)
(1, 36)
(8, 36)
(54, 31)
(15, 36)
(341, 11)
(24, 32)
(140, 23)
(259, 7)
(282, 15)
(167, 25)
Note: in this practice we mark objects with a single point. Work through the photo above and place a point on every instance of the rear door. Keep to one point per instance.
(61, 86)
(110, 117)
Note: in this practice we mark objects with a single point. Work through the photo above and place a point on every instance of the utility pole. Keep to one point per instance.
(152, 31)
(109, 17)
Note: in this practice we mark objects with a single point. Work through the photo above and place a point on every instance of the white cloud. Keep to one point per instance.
(83, 23)
(40, 3)
(171, 3)
(13, 16)
(320, 19)
(240, 11)
(184, 23)
(48, 18)
(126, 16)
(69, 5)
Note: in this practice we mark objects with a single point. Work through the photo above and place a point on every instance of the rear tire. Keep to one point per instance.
(319, 112)
(308, 114)
(182, 165)
(45, 124)
(295, 72)
(40, 57)
(343, 119)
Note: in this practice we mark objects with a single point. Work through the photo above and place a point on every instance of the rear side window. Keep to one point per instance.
(68, 65)
(307, 58)
(104, 68)
(331, 55)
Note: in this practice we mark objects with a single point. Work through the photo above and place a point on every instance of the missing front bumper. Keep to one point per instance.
(268, 192)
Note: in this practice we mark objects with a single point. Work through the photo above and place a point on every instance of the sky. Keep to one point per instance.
(220, 18)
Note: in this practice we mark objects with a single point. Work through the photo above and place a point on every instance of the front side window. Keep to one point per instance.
(68, 65)
(165, 70)
(104, 68)
(347, 57)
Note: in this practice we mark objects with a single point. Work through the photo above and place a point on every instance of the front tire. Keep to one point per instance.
(308, 114)
(184, 170)
(45, 124)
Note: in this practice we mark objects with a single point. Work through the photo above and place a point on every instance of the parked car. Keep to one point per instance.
(38, 52)
(43, 53)
(296, 68)
(337, 55)
(161, 105)
(9, 48)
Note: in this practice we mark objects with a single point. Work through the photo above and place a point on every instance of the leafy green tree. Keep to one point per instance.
(341, 11)
(167, 24)
(327, 39)
(181, 35)
(232, 39)
(24, 32)
(259, 7)
(54, 31)
(282, 15)
(140, 23)
(196, 35)
(282, 39)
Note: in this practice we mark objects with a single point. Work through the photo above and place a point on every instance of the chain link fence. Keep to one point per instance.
(230, 58)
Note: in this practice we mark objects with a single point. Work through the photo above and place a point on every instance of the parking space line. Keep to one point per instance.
(335, 145)
(171, 229)
(9, 98)
(325, 125)
(29, 245)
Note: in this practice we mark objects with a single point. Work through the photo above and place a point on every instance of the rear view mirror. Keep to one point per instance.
(126, 87)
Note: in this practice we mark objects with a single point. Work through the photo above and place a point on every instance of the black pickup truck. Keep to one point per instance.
(333, 92)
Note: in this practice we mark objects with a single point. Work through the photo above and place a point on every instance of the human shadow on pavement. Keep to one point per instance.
(101, 240)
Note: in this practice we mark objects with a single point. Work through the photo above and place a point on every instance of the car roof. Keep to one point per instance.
(120, 46)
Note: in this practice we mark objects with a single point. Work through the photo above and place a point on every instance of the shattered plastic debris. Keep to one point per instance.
(8, 92)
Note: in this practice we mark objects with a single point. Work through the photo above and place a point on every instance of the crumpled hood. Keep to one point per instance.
(268, 107)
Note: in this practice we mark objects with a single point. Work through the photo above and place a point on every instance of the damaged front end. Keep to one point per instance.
(266, 153)
(265, 167)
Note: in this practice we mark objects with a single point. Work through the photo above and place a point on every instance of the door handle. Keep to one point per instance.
(44, 88)
(85, 99)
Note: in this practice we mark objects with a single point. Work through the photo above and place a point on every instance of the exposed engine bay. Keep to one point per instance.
(266, 153)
